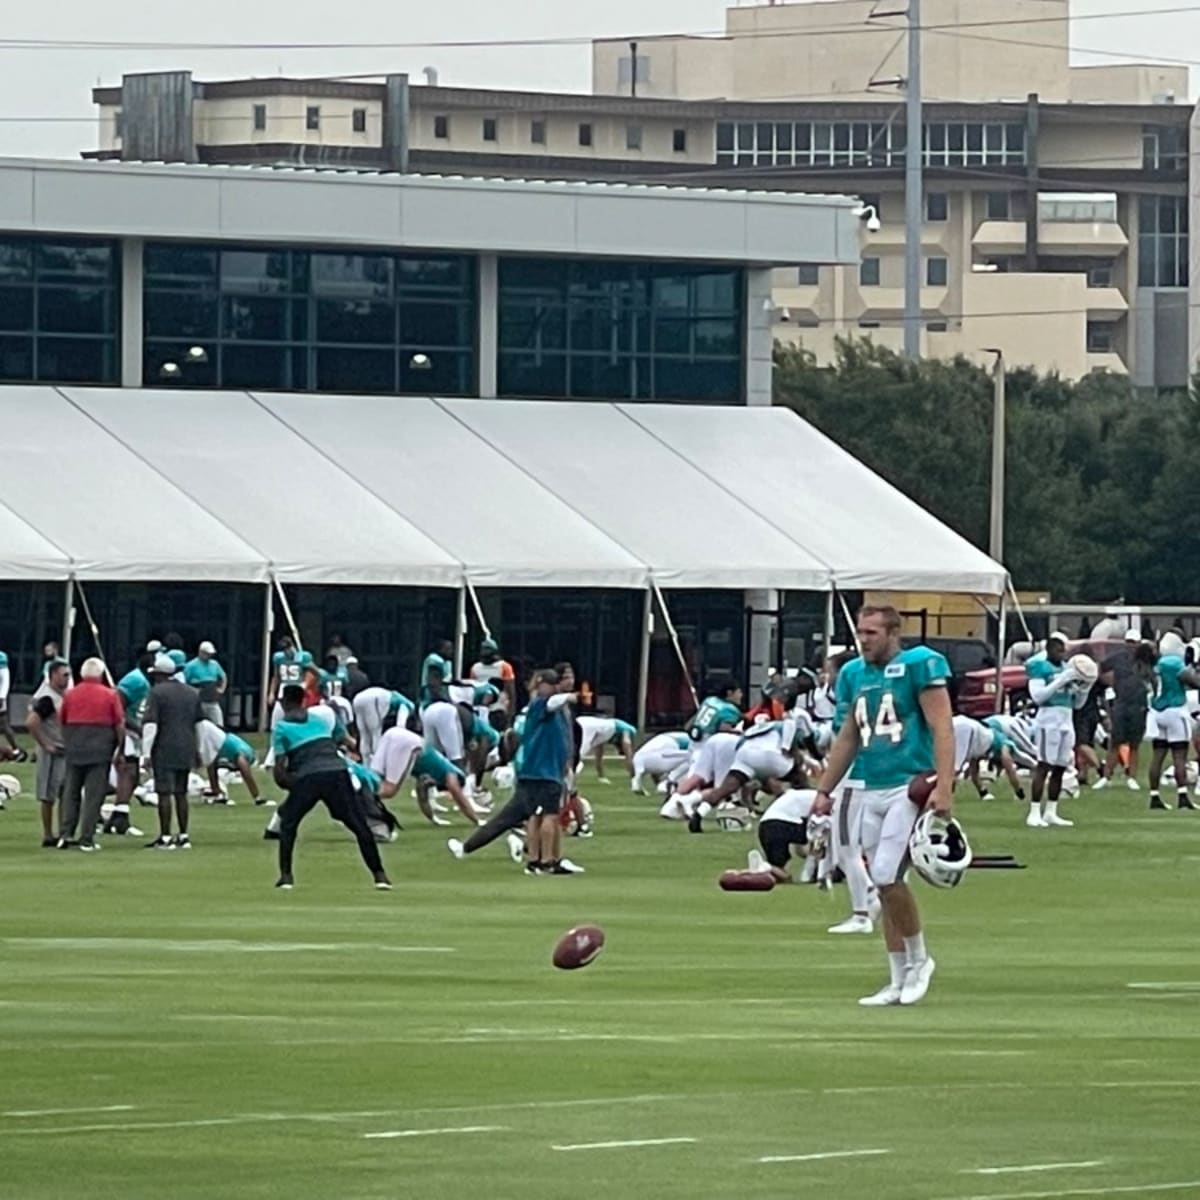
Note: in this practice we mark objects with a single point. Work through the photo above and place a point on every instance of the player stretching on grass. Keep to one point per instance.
(899, 725)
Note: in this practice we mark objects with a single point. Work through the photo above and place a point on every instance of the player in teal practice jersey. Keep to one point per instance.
(217, 748)
(437, 671)
(720, 711)
(287, 666)
(898, 725)
(1171, 725)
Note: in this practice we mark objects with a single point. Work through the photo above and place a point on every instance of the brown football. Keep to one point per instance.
(746, 881)
(920, 788)
(578, 947)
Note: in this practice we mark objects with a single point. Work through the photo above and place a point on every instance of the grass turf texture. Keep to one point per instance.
(257, 1036)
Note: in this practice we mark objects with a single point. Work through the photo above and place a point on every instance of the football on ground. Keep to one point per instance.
(578, 947)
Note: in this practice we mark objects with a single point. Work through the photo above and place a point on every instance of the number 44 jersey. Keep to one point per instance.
(894, 740)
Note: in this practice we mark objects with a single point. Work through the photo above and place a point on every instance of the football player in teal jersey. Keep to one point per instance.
(1056, 690)
(898, 725)
(1171, 725)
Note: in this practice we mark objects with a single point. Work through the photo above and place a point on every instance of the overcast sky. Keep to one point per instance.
(56, 83)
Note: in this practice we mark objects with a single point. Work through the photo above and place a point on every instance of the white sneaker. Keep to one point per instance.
(571, 868)
(855, 923)
(755, 863)
(884, 998)
(1034, 820)
(437, 805)
(1133, 785)
(456, 848)
(635, 784)
(1100, 784)
(874, 906)
(516, 846)
(916, 981)
(440, 820)
(604, 779)
(1055, 819)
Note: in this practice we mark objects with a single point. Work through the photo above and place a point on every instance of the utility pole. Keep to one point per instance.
(996, 525)
(913, 198)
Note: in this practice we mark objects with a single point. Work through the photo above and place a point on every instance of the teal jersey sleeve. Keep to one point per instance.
(1169, 691)
(398, 701)
(622, 729)
(430, 764)
(3, 660)
(843, 693)
(1040, 667)
(233, 748)
(483, 730)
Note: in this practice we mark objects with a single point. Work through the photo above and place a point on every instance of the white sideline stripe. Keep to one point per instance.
(674, 1141)
(64, 1112)
(216, 946)
(1053, 1166)
(411, 1133)
(1177, 985)
(1123, 1190)
(794, 1158)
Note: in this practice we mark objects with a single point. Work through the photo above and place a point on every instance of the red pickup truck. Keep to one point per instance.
(977, 689)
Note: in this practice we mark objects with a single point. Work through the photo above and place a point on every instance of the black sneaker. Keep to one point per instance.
(694, 823)
(534, 868)
(50, 843)
(183, 842)
(1157, 802)
(285, 883)
(161, 843)
(88, 847)
(22, 755)
(66, 843)
(1185, 801)
(270, 835)
(382, 883)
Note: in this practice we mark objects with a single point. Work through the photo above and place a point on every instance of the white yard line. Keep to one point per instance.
(1032, 1167)
(795, 1158)
(64, 1112)
(412, 1133)
(1177, 985)
(1138, 1189)
(672, 1141)
(217, 946)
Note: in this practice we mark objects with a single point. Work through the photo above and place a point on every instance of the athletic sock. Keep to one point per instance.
(898, 965)
(1050, 809)
(703, 809)
(914, 948)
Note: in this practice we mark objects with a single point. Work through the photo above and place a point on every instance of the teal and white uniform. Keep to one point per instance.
(179, 659)
(974, 741)
(233, 748)
(1052, 689)
(895, 743)
(372, 707)
(663, 754)
(289, 666)
(1170, 716)
(364, 779)
(599, 731)
(436, 768)
(333, 683)
(765, 750)
(134, 689)
(711, 715)
(5, 681)
(310, 744)
(434, 662)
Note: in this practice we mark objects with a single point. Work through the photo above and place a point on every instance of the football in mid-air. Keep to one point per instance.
(920, 788)
(746, 881)
(578, 947)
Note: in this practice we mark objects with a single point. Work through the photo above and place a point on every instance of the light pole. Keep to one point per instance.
(996, 524)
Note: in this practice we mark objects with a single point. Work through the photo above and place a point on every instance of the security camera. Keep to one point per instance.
(785, 314)
(873, 224)
(872, 216)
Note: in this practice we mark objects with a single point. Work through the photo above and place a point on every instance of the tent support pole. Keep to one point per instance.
(666, 612)
(1012, 591)
(829, 625)
(644, 658)
(487, 632)
(287, 612)
(850, 622)
(1001, 638)
(460, 631)
(68, 621)
(91, 620)
(268, 629)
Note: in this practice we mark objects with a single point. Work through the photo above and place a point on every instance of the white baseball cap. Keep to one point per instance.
(163, 665)
(153, 646)
(207, 648)
(1132, 635)
(1058, 636)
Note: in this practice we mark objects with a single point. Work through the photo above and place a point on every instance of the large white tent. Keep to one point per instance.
(122, 484)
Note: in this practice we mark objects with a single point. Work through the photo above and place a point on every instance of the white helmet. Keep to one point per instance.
(10, 786)
(939, 850)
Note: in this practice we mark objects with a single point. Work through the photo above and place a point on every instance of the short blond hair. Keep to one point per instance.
(93, 668)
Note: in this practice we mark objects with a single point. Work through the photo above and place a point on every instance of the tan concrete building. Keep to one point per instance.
(1056, 206)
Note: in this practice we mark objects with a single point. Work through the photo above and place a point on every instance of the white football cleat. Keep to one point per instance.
(1034, 820)
(635, 784)
(570, 868)
(756, 864)
(1100, 784)
(516, 847)
(855, 923)
(916, 981)
(456, 848)
(884, 998)
(440, 820)
(1055, 819)
(1133, 785)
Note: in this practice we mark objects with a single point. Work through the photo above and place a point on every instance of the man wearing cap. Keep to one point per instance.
(207, 676)
(169, 743)
(1127, 675)
(357, 680)
(491, 668)
(93, 728)
(45, 727)
(1052, 688)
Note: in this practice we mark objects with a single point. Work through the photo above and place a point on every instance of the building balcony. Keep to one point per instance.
(1104, 239)
(1108, 360)
(1106, 304)
(999, 238)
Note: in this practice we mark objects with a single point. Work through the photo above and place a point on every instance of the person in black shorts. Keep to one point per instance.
(546, 747)
(1086, 719)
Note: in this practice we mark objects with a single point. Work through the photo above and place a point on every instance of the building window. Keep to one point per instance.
(997, 206)
(937, 326)
(1101, 337)
(872, 200)
(585, 134)
(118, 125)
(358, 120)
(936, 272)
(808, 275)
(291, 319)
(1100, 275)
(489, 129)
(868, 272)
(626, 73)
(867, 323)
(679, 141)
(1164, 148)
(312, 117)
(441, 127)
(866, 144)
(537, 132)
(608, 330)
(937, 206)
(260, 118)
(633, 137)
(59, 304)
(1086, 208)
(1162, 241)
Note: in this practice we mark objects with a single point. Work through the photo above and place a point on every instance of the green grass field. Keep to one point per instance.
(171, 1026)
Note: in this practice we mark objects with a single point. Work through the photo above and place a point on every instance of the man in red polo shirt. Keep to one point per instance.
(93, 727)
